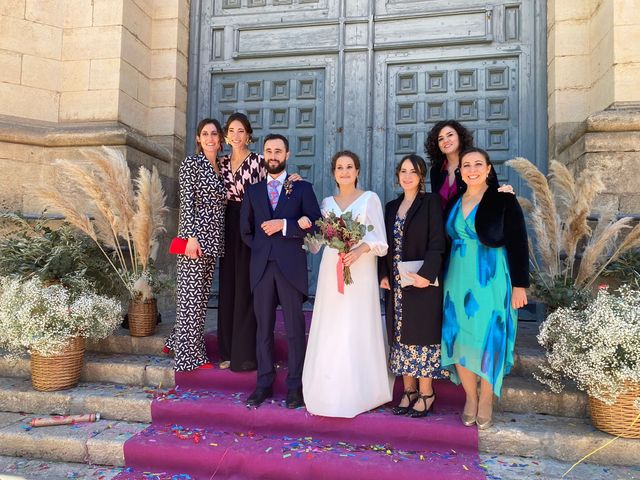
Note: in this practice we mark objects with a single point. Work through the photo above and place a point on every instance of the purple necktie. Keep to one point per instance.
(273, 193)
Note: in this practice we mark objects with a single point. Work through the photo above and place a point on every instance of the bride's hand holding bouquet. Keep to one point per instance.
(342, 233)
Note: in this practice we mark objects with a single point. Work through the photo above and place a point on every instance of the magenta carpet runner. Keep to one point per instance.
(201, 430)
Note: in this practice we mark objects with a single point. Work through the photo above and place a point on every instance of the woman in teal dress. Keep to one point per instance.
(484, 285)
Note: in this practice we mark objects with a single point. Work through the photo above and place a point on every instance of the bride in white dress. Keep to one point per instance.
(345, 369)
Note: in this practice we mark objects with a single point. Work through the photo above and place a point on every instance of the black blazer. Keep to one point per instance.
(500, 223)
(423, 239)
(287, 250)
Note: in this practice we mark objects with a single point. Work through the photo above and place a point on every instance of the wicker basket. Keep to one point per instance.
(143, 317)
(58, 372)
(616, 419)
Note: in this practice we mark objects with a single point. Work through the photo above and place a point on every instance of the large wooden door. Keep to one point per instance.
(373, 76)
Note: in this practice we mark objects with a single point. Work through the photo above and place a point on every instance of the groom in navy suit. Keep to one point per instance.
(278, 268)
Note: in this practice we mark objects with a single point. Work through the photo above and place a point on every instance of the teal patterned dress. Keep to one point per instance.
(479, 324)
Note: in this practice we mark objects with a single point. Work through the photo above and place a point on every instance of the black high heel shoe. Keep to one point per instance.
(413, 413)
(404, 410)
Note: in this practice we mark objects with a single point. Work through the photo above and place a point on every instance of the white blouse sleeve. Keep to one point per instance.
(377, 238)
(324, 208)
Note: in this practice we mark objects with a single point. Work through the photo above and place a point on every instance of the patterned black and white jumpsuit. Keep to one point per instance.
(203, 201)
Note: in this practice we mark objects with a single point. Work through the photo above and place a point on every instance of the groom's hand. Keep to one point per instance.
(272, 226)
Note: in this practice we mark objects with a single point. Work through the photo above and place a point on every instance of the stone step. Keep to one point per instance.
(526, 359)
(519, 394)
(97, 443)
(112, 401)
(527, 395)
(529, 435)
(133, 403)
(564, 439)
(144, 370)
(527, 356)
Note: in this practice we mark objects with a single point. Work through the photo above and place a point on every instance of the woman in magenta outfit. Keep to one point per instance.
(444, 143)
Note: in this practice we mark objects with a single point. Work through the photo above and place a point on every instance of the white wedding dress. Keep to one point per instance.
(345, 369)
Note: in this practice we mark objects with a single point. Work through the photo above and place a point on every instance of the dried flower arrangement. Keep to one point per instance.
(125, 223)
(558, 215)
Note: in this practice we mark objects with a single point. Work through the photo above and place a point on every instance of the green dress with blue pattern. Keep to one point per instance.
(479, 324)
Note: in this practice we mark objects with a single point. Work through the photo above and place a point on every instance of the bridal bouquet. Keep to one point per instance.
(342, 233)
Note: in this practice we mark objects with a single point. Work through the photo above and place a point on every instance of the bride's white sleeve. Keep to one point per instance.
(377, 238)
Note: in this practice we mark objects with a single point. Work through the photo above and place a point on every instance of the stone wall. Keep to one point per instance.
(78, 74)
(593, 60)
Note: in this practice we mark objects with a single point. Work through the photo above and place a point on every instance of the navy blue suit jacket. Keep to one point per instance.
(287, 250)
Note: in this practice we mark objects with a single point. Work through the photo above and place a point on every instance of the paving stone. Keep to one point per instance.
(505, 467)
(24, 468)
(498, 467)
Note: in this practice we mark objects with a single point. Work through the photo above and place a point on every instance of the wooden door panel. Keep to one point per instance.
(284, 101)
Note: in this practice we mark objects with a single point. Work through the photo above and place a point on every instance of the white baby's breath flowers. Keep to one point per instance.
(598, 347)
(38, 318)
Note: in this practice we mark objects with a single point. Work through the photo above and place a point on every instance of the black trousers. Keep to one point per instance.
(236, 320)
(273, 289)
(192, 296)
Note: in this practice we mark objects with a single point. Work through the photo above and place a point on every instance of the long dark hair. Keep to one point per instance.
(419, 165)
(436, 157)
(492, 178)
(242, 118)
(345, 153)
(201, 125)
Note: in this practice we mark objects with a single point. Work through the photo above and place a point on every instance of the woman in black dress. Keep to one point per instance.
(202, 207)
(236, 320)
(414, 313)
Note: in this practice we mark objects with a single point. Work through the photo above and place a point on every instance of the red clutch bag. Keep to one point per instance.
(178, 246)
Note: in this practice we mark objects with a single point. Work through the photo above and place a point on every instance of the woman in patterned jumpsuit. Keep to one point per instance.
(202, 209)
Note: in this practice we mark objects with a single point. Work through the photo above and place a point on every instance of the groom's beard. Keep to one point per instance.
(277, 169)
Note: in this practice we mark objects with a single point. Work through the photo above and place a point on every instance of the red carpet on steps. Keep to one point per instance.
(202, 430)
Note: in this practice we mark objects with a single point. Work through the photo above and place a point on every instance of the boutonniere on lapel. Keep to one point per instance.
(288, 186)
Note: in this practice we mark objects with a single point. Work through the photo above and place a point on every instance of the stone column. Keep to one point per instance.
(594, 94)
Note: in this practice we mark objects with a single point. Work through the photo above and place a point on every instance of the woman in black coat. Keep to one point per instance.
(414, 313)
